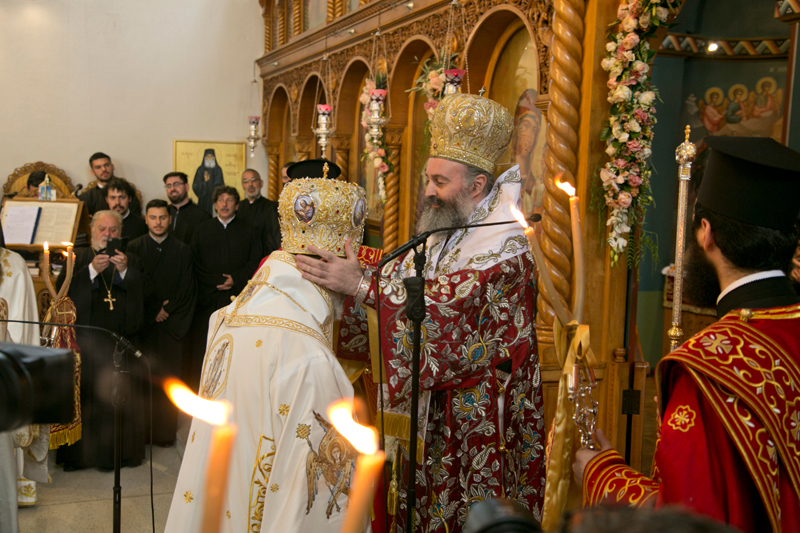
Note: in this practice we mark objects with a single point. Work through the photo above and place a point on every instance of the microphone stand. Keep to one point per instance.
(415, 310)
(118, 399)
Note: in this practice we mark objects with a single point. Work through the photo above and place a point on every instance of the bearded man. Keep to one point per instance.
(481, 429)
(206, 179)
(185, 215)
(119, 194)
(270, 355)
(728, 396)
(95, 197)
(259, 212)
(108, 292)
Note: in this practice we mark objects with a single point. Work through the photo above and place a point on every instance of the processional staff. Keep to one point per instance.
(684, 155)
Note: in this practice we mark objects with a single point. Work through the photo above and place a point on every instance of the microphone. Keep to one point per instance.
(77, 190)
(124, 343)
(418, 239)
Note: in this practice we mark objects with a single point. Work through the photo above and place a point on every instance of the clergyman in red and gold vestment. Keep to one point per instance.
(729, 398)
(481, 426)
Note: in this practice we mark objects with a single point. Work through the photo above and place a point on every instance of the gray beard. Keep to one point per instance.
(210, 163)
(455, 212)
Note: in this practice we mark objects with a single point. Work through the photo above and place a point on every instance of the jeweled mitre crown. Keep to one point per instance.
(470, 129)
(323, 213)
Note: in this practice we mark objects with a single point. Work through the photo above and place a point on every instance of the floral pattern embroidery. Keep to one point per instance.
(682, 418)
(283, 409)
(188, 496)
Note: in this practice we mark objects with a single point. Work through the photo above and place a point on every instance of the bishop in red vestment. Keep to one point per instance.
(729, 417)
(481, 431)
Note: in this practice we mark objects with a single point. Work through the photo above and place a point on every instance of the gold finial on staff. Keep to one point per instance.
(684, 155)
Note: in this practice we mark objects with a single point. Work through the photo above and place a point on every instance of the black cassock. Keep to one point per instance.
(133, 226)
(185, 219)
(205, 181)
(263, 216)
(95, 201)
(168, 266)
(96, 447)
(216, 250)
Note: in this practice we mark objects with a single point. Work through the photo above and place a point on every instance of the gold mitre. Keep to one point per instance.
(470, 129)
(323, 213)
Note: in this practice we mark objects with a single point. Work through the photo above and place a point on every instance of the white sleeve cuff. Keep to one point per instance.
(92, 272)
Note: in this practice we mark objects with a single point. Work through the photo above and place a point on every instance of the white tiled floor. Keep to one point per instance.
(83, 500)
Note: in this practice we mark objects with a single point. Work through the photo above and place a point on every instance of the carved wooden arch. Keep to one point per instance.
(493, 27)
(304, 116)
(269, 119)
(18, 179)
(274, 124)
(404, 73)
(348, 93)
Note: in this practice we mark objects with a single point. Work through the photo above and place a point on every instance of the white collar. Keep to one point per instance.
(750, 278)
(128, 212)
(225, 224)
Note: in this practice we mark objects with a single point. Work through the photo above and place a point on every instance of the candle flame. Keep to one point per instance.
(565, 186)
(363, 438)
(518, 215)
(64, 253)
(213, 412)
(46, 246)
(64, 243)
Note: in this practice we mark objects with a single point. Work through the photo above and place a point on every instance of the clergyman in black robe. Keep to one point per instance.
(186, 215)
(95, 197)
(226, 252)
(110, 296)
(119, 194)
(206, 179)
(259, 212)
(167, 263)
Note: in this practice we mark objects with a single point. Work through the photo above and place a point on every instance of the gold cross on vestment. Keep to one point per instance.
(110, 301)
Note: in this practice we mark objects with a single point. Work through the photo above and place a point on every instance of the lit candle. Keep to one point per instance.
(577, 249)
(368, 466)
(215, 413)
(563, 314)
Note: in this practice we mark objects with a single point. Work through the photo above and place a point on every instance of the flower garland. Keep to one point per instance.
(430, 83)
(625, 180)
(375, 150)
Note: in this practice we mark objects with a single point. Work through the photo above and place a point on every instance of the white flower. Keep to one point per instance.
(620, 94)
(377, 162)
(608, 63)
(611, 46)
(644, 21)
(610, 150)
(607, 177)
(662, 13)
(647, 98)
(623, 137)
(629, 56)
(641, 67)
(646, 152)
(616, 72)
(633, 125)
(630, 24)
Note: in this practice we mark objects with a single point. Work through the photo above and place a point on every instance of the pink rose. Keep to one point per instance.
(432, 75)
(622, 11)
(369, 84)
(381, 152)
(640, 115)
(612, 84)
(634, 180)
(630, 41)
(384, 168)
(620, 163)
(625, 199)
(634, 146)
(437, 84)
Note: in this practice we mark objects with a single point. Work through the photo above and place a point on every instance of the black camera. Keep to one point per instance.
(37, 386)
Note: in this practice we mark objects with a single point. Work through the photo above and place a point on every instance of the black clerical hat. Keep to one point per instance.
(754, 180)
(313, 168)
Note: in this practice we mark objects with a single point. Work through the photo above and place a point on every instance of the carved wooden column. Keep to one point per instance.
(303, 148)
(297, 17)
(341, 150)
(391, 211)
(560, 157)
(282, 22)
(339, 8)
(274, 170)
(331, 11)
(267, 6)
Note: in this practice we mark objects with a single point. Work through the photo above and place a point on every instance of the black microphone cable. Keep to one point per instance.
(126, 345)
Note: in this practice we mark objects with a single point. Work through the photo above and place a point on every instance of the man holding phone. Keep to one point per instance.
(108, 291)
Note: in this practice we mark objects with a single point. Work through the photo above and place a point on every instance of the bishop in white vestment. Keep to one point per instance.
(269, 355)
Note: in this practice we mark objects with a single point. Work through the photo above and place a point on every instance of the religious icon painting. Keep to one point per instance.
(304, 208)
(360, 212)
(215, 369)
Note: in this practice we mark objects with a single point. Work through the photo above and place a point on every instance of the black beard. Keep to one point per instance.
(455, 212)
(701, 285)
